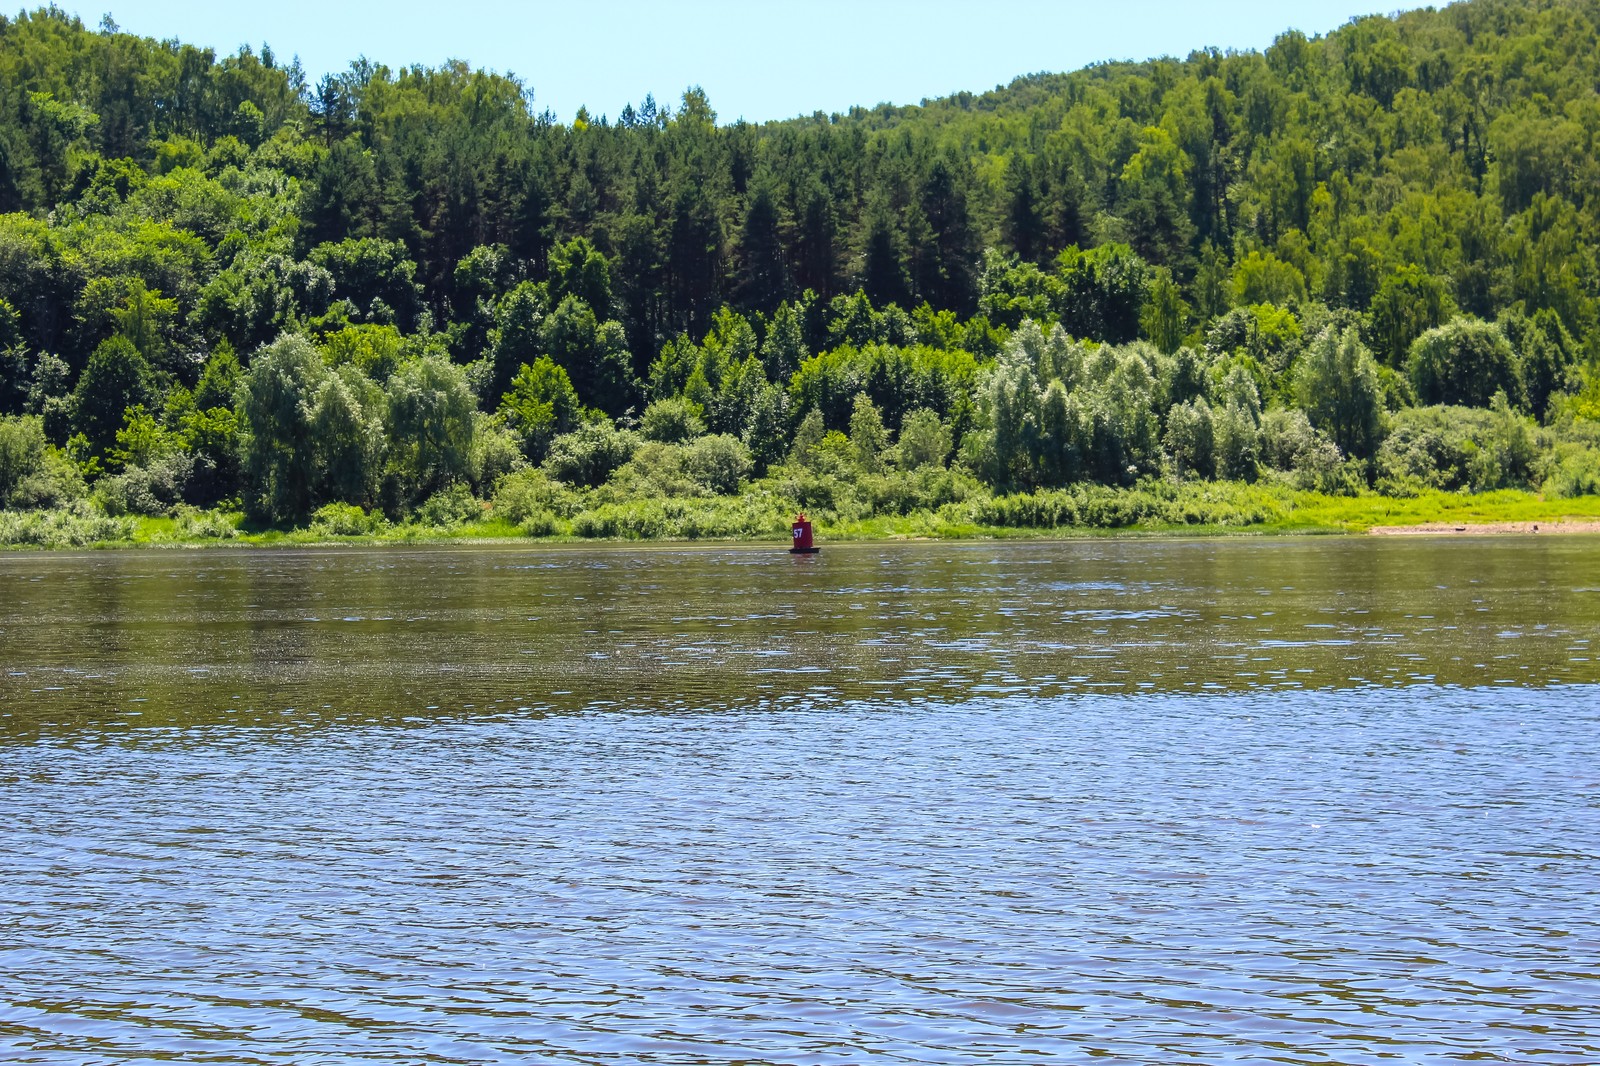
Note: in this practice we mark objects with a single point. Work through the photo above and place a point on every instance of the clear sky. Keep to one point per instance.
(759, 59)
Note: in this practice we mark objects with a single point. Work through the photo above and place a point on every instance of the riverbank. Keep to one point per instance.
(1151, 509)
(1437, 529)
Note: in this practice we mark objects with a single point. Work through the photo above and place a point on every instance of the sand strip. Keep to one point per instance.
(1434, 529)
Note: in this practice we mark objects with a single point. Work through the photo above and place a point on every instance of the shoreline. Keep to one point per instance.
(1211, 510)
(296, 541)
(1558, 527)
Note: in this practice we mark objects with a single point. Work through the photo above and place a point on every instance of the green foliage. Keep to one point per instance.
(1463, 362)
(33, 474)
(219, 380)
(671, 421)
(1263, 278)
(983, 269)
(578, 270)
(1292, 446)
(897, 380)
(155, 487)
(22, 446)
(594, 354)
(1191, 438)
(712, 465)
(533, 496)
(375, 350)
(1103, 292)
(1573, 470)
(64, 528)
(376, 278)
(344, 520)
(541, 405)
(347, 427)
(1166, 315)
(1336, 383)
(924, 440)
(1455, 448)
(1409, 303)
(867, 436)
(430, 427)
(589, 455)
(1011, 290)
(276, 400)
(117, 377)
(448, 508)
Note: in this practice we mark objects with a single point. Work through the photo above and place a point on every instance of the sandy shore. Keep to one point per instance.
(1433, 529)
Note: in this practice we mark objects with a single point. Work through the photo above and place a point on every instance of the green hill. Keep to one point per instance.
(1356, 261)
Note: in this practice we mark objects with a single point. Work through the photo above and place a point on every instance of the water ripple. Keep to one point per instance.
(705, 825)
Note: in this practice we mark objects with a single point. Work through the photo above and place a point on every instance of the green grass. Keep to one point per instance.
(1360, 513)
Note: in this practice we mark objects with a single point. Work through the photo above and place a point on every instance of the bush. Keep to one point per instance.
(448, 508)
(1453, 448)
(1337, 384)
(808, 488)
(523, 496)
(1463, 362)
(540, 524)
(685, 519)
(1292, 446)
(589, 455)
(22, 446)
(924, 440)
(718, 463)
(32, 473)
(70, 528)
(926, 488)
(496, 452)
(344, 520)
(671, 421)
(1572, 470)
(154, 489)
(1051, 509)
(207, 525)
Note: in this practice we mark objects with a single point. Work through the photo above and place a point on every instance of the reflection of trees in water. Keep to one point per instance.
(389, 635)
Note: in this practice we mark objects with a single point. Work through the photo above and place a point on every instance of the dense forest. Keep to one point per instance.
(1353, 263)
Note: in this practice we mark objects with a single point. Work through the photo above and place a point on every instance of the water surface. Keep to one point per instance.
(1304, 801)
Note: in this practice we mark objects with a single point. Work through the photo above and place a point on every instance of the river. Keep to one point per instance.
(1315, 800)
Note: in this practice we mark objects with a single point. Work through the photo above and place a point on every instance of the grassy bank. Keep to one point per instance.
(1158, 508)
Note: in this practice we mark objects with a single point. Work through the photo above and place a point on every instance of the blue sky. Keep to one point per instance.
(756, 60)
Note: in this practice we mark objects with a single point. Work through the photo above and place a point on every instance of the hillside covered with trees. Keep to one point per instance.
(1362, 262)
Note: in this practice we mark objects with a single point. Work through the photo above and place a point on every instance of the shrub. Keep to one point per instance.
(540, 524)
(206, 525)
(524, 495)
(1463, 362)
(671, 421)
(1455, 448)
(1051, 509)
(1290, 444)
(448, 508)
(154, 488)
(344, 520)
(924, 440)
(495, 453)
(68, 528)
(718, 463)
(589, 455)
(32, 473)
(1336, 383)
(1572, 470)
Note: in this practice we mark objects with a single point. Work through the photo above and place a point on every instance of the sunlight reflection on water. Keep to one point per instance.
(1132, 800)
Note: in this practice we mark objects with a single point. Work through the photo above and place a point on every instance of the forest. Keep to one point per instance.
(1356, 264)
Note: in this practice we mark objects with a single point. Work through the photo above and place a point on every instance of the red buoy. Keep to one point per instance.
(802, 536)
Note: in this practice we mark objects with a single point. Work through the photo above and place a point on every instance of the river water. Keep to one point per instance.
(1130, 801)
